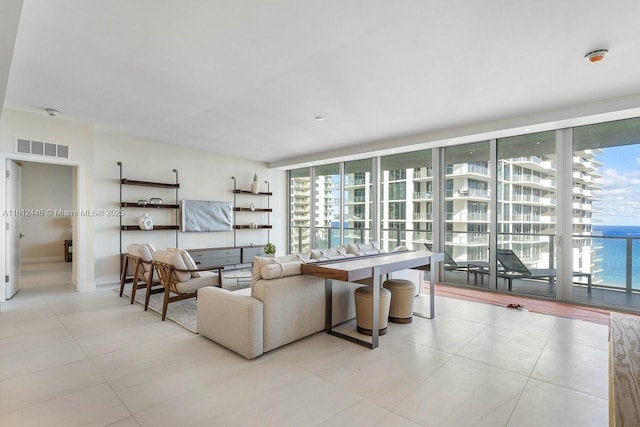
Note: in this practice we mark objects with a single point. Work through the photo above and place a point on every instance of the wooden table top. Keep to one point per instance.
(352, 269)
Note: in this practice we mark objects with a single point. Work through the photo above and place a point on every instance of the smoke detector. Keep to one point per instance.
(596, 55)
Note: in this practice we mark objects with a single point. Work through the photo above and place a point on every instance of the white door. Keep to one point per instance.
(13, 231)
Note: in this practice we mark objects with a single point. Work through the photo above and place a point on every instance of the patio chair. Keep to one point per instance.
(512, 267)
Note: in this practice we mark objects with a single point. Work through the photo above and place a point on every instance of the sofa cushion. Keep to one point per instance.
(364, 248)
(144, 251)
(188, 261)
(174, 259)
(338, 252)
(305, 256)
(207, 278)
(280, 269)
(259, 262)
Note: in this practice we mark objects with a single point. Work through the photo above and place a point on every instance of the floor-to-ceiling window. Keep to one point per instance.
(358, 201)
(406, 200)
(606, 211)
(466, 208)
(526, 206)
(299, 209)
(327, 206)
(563, 204)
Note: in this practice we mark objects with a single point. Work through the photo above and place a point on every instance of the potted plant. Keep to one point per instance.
(270, 249)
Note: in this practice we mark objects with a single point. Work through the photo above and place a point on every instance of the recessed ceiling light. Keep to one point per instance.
(596, 56)
(319, 118)
(526, 129)
(52, 112)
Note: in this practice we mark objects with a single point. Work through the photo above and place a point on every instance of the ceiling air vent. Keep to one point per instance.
(26, 146)
(63, 151)
(23, 146)
(37, 147)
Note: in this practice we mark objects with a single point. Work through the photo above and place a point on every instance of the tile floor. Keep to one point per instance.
(70, 359)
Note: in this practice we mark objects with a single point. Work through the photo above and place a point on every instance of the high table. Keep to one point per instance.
(354, 269)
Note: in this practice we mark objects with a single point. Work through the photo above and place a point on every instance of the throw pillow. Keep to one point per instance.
(188, 261)
(174, 259)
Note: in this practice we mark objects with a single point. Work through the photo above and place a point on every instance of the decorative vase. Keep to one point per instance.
(145, 222)
(255, 185)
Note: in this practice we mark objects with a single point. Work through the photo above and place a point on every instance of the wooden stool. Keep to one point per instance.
(364, 310)
(402, 297)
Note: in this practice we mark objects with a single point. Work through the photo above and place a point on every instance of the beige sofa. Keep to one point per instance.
(282, 305)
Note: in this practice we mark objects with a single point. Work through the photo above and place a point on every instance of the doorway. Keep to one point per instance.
(47, 243)
(77, 223)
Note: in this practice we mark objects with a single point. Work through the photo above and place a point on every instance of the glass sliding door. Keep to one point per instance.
(606, 210)
(526, 202)
(327, 206)
(358, 206)
(466, 213)
(299, 210)
(406, 200)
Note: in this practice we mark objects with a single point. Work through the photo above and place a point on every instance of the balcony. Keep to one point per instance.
(422, 173)
(422, 216)
(425, 195)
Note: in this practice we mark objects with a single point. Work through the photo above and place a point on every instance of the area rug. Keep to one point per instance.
(181, 312)
(184, 312)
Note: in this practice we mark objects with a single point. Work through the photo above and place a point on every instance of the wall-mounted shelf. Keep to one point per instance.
(266, 193)
(260, 213)
(147, 206)
(125, 181)
(253, 210)
(155, 227)
(134, 205)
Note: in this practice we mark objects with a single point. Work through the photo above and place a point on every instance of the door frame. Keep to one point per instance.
(79, 276)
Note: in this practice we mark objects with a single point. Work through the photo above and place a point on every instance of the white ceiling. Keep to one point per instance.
(247, 78)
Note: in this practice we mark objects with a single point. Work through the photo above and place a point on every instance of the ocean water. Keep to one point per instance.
(612, 250)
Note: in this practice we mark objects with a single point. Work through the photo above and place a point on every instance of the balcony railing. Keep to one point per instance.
(613, 261)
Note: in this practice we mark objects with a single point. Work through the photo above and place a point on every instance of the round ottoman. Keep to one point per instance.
(364, 310)
(402, 296)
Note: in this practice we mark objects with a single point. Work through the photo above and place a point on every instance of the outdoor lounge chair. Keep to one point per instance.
(453, 265)
(513, 268)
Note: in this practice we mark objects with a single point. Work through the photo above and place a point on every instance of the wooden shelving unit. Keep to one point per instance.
(134, 205)
(261, 212)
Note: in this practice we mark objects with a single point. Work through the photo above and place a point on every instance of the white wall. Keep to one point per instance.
(94, 156)
(202, 176)
(80, 139)
(45, 186)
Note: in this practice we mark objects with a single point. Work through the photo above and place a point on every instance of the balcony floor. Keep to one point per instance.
(599, 297)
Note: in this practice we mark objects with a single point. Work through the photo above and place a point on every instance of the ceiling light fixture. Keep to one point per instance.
(596, 56)
(319, 118)
(52, 112)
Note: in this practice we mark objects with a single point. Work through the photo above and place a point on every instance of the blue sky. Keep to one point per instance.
(620, 204)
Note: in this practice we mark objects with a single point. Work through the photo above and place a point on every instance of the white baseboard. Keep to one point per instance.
(42, 260)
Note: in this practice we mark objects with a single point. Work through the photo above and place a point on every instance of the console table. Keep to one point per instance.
(371, 267)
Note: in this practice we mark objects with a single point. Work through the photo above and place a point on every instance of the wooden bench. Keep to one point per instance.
(624, 370)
